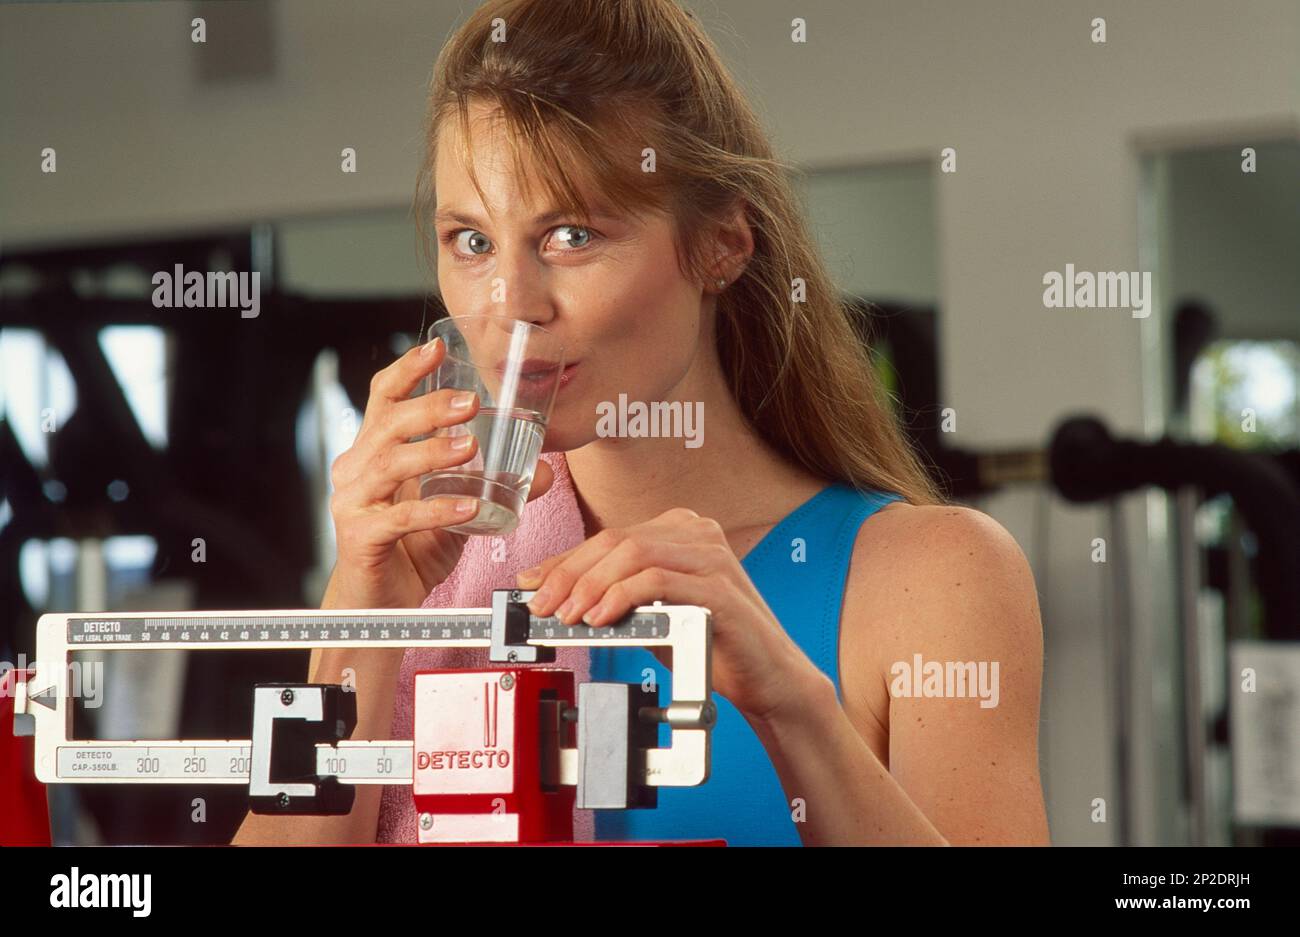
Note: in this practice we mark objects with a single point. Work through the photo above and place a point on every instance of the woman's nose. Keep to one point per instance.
(520, 288)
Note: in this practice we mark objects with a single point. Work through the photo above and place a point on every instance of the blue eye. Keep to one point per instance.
(579, 240)
(476, 237)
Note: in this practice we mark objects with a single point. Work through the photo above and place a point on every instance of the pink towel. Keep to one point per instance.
(550, 524)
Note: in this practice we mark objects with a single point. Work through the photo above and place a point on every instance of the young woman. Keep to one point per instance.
(594, 161)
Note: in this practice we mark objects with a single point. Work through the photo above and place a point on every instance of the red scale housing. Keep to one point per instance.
(478, 756)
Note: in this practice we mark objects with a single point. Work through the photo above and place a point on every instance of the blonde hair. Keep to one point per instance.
(587, 90)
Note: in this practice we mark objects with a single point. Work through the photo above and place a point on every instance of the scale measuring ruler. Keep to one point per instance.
(43, 706)
(232, 631)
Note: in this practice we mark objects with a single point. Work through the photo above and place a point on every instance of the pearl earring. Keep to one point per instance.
(721, 284)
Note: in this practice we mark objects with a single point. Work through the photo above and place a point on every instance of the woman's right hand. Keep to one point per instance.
(392, 550)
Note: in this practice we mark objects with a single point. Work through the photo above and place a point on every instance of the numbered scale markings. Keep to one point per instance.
(313, 630)
(227, 762)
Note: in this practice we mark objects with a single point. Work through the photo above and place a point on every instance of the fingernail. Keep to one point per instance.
(462, 442)
(594, 612)
(429, 347)
(528, 575)
(466, 506)
(462, 401)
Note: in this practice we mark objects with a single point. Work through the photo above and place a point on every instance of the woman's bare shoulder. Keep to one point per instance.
(932, 536)
(925, 572)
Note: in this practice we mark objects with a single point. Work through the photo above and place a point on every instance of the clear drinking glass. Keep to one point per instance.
(515, 369)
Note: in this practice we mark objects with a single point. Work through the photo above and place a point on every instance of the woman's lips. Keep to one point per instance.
(543, 375)
(529, 365)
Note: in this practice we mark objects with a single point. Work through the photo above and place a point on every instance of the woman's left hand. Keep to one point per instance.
(681, 559)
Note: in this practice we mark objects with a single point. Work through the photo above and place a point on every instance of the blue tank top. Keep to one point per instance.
(799, 568)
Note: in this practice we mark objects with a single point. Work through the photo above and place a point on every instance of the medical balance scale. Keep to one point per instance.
(497, 755)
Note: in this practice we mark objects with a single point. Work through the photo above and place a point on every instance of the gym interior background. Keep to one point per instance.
(1173, 147)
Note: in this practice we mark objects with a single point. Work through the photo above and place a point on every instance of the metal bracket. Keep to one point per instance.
(289, 720)
(510, 618)
(613, 735)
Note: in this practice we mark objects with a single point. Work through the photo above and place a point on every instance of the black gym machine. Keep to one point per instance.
(1085, 464)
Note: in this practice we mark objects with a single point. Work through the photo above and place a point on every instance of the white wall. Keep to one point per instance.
(1042, 119)
(1236, 237)
(875, 227)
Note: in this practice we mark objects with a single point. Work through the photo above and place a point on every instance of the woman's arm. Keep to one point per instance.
(814, 748)
(374, 674)
(950, 585)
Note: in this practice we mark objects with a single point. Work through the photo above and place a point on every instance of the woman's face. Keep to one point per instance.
(612, 293)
